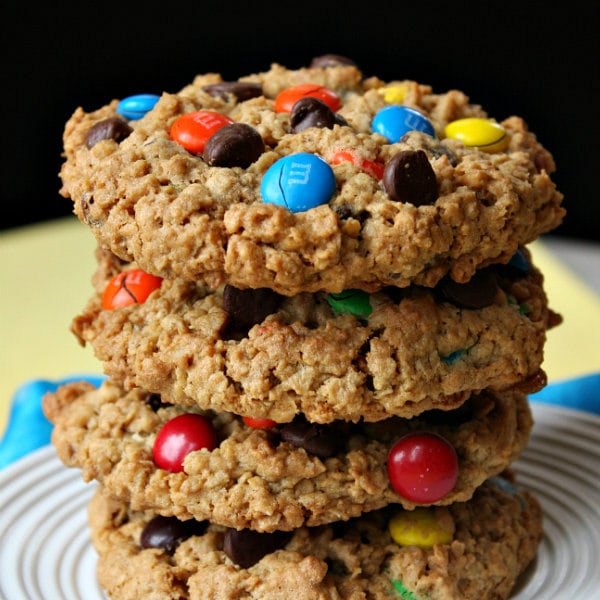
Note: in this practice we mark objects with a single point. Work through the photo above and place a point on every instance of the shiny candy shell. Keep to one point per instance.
(485, 134)
(129, 287)
(393, 122)
(354, 302)
(286, 99)
(422, 467)
(135, 107)
(299, 182)
(393, 94)
(180, 436)
(420, 527)
(192, 130)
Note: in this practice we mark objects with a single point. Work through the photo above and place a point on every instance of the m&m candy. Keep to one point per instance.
(299, 182)
(422, 467)
(286, 99)
(193, 130)
(129, 287)
(371, 167)
(420, 527)
(353, 302)
(258, 423)
(393, 122)
(404, 592)
(485, 134)
(180, 436)
(393, 94)
(135, 107)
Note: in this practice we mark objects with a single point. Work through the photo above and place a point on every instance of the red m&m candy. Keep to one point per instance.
(286, 99)
(192, 130)
(180, 436)
(257, 423)
(422, 467)
(129, 287)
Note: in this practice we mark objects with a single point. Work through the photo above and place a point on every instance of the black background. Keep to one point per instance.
(529, 59)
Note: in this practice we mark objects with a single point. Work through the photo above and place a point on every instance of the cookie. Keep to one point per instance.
(468, 551)
(307, 180)
(344, 356)
(279, 476)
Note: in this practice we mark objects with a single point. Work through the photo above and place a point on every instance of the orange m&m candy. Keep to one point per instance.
(192, 130)
(371, 167)
(129, 287)
(286, 99)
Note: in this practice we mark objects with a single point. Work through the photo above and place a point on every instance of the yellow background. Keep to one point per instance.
(45, 280)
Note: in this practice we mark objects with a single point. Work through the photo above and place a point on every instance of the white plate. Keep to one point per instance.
(46, 554)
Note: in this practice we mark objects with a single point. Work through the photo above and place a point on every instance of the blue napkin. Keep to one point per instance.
(580, 393)
(28, 428)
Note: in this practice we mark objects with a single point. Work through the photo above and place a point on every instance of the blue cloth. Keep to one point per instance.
(580, 393)
(28, 428)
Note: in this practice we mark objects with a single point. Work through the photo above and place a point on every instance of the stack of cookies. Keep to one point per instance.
(319, 321)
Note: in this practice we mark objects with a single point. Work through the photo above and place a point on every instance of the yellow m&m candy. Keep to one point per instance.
(485, 134)
(423, 527)
(393, 94)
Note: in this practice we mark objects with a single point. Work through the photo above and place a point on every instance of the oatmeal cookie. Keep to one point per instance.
(306, 180)
(281, 476)
(473, 550)
(344, 356)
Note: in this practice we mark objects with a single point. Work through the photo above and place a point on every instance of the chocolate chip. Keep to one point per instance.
(331, 60)
(321, 440)
(235, 145)
(242, 90)
(246, 547)
(113, 128)
(311, 112)
(154, 401)
(168, 532)
(249, 307)
(409, 177)
(480, 291)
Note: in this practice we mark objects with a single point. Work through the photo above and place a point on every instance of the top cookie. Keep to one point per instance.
(349, 182)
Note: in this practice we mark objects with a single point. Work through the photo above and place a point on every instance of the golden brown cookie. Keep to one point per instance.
(349, 356)
(281, 476)
(354, 183)
(479, 549)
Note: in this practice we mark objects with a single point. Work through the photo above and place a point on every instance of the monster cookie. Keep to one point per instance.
(306, 180)
(466, 551)
(344, 356)
(248, 473)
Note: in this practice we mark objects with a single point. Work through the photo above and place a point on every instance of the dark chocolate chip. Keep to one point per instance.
(242, 90)
(480, 291)
(154, 401)
(168, 532)
(246, 547)
(249, 307)
(311, 112)
(409, 177)
(113, 128)
(235, 145)
(321, 440)
(331, 60)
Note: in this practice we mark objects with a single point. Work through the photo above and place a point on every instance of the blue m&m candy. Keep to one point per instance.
(135, 107)
(393, 122)
(299, 181)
